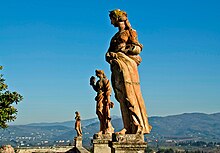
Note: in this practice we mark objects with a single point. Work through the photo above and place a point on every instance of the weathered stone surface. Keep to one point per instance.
(101, 143)
(128, 138)
(7, 149)
(103, 105)
(128, 143)
(102, 137)
(44, 149)
(63, 149)
(78, 141)
(77, 150)
(78, 124)
(123, 57)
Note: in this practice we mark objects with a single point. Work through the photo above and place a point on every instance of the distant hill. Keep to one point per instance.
(71, 123)
(192, 126)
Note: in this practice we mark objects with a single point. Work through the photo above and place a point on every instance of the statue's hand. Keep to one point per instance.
(124, 50)
(110, 56)
(111, 104)
(113, 55)
(134, 50)
(92, 80)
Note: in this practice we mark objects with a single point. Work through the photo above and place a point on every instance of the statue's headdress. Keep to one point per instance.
(118, 15)
(100, 72)
(77, 113)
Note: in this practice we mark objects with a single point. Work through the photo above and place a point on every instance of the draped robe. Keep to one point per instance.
(103, 89)
(126, 84)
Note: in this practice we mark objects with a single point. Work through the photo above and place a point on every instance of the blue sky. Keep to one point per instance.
(50, 48)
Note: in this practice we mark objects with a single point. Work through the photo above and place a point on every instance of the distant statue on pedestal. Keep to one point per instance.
(123, 57)
(78, 124)
(103, 105)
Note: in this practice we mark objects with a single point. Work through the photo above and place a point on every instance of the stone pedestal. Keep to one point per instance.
(128, 143)
(101, 143)
(78, 148)
(78, 141)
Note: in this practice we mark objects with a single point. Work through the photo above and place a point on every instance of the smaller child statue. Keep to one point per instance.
(78, 124)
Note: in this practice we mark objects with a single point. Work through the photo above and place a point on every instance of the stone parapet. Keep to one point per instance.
(78, 141)
(78, 147)
(101, 143)
(128, 143)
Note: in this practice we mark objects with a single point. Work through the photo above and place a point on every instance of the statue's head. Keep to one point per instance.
(117, 16)
(77, 117)
(100, 73)
(77, 113)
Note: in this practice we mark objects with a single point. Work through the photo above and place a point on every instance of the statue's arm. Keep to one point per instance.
(92, 83)
(135, 47)
(107, 89)
(122, 46)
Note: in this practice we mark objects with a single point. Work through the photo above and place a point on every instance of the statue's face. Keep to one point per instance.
(99, 75)
(121, 25)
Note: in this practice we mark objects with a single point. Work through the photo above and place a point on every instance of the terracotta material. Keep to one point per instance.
(128, 143)
(78, 124)
(7, 149)
(123, 57)
(101, 143)
(103, 89)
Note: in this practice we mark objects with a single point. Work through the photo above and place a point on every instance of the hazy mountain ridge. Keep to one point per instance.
(204, 126)
(196, 126)
(71, 124)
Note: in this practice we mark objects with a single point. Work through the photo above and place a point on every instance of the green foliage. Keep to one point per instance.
(149, 150)
(170, 150)
(7, 98)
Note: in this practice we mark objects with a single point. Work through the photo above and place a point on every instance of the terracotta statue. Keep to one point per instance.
(103, 89)
(7, 149)
(123, 57)
(78, 124)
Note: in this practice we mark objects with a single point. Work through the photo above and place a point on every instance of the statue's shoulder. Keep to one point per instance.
(125, 32)
(133, 33)
(106, 81)
(124, 35)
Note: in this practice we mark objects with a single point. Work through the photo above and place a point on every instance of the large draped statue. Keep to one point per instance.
(103, 105)
(123, 57)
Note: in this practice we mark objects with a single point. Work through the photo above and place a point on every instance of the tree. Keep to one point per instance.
(7, 99)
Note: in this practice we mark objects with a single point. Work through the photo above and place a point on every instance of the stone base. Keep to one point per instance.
(101, 143)
(78, 141)
(78, 148)
(128, 143)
